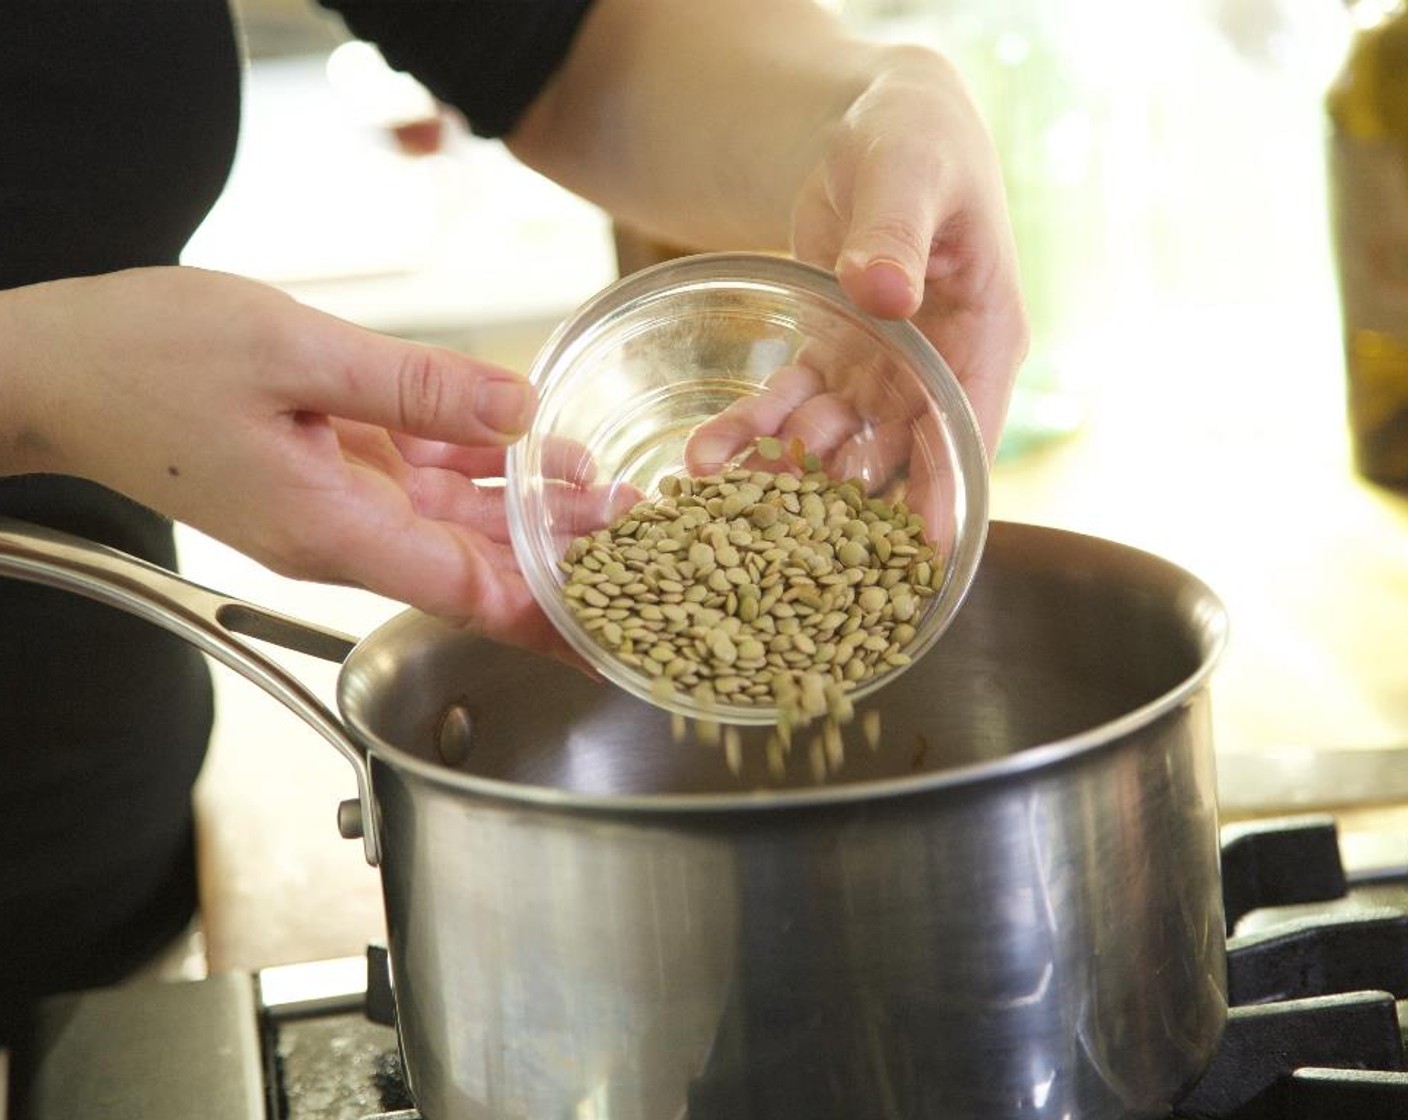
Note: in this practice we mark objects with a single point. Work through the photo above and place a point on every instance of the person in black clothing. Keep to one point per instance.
(135, 392)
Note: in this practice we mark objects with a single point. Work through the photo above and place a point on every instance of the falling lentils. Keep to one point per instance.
(758, 588)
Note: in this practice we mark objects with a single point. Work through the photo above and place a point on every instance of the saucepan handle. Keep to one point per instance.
(208, 620)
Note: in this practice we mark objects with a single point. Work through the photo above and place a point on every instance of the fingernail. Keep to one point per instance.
(888, 284)
(505, 406)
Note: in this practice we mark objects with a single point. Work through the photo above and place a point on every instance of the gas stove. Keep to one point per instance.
(1317, 967)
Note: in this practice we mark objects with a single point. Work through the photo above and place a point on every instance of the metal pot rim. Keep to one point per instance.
(215, 624)
(1046, 756)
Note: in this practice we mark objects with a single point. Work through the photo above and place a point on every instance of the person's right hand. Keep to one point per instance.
(321, 449)
(851, 411)
(907, 205)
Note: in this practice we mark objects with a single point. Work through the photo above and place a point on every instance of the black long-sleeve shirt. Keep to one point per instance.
(118, 123)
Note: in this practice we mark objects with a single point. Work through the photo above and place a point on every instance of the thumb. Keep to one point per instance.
(896, 204)
(409, 387)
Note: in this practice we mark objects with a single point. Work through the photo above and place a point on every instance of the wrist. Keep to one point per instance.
(28, 445)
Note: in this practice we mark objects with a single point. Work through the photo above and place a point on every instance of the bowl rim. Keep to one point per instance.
(752, 270)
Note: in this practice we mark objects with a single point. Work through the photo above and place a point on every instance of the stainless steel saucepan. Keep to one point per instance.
(1010, 908)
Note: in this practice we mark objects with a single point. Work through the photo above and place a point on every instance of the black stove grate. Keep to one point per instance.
(1314, 1029)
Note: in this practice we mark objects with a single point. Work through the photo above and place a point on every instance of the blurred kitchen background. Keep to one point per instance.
(1184, 393)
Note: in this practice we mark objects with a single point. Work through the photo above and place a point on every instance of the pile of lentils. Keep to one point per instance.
(758, 588)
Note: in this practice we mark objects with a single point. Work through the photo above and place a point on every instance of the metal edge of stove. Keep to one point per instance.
(314, 988)
(1292, 779)
(165, 1049)
(147, 1049)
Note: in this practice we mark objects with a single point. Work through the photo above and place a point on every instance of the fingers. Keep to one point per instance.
(563, 459)
(450, 496)
(822, 424)
(439, 566)
(930, 488)
(449, 570)
(575, 510)
(572, 510)
(718, 441)
(874, 454)
(568, 461)
(472, 462)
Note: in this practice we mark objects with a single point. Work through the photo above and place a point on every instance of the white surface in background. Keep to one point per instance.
(279, 884)
(321, 203)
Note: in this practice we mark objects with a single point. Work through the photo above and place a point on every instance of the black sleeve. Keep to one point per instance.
(487, 58)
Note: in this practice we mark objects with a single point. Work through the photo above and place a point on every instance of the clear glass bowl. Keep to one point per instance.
(677, 369)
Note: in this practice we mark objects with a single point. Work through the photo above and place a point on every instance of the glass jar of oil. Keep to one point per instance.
(1368, 190)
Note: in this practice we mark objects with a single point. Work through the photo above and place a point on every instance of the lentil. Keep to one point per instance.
(754, 587)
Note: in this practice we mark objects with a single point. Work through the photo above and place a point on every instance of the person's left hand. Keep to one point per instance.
(320, 449)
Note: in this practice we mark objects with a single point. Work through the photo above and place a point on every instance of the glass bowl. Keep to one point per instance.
(740, 361)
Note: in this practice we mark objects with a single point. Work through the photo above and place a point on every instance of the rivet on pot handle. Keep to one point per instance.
(208, 620)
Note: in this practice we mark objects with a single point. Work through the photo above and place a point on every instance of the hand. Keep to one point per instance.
(869, 160)
(907, 206)
(320, 449)
(850, 411)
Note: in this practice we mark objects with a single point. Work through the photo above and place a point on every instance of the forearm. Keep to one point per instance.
(696, 121)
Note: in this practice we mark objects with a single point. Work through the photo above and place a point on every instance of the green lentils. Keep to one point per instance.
(758, 589)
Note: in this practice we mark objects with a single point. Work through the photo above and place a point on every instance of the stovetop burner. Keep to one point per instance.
(1316, 968)
(337, 1066)
(329, 1042)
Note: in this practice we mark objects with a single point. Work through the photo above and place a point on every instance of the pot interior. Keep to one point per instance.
(1061, 635)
